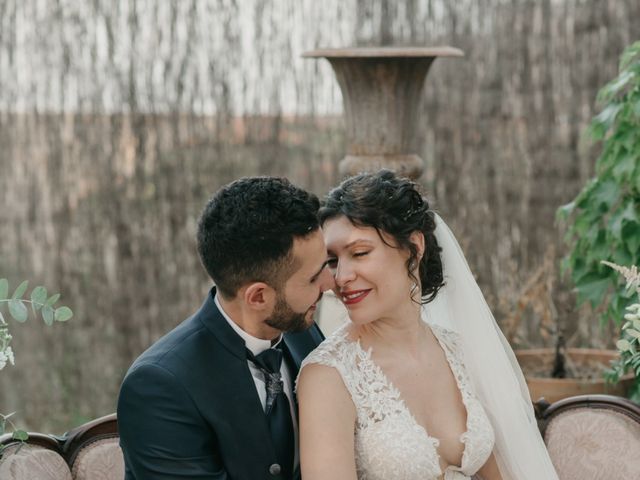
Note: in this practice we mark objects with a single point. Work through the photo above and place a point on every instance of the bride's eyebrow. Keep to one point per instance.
(358, 240)
(351, 244)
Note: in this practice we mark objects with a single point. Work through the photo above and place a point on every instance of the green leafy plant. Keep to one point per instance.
(604, 219)
(629, 343)
(16, 306)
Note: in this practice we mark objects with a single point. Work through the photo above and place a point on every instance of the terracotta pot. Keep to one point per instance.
(553, 389)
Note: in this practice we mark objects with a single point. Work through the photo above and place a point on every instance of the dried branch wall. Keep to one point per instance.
(119, 119)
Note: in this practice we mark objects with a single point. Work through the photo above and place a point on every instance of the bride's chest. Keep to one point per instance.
(432, 397)
(393, 445)
(396, 444)
(397, 437)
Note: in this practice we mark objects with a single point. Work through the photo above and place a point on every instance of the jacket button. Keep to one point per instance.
(275, 469)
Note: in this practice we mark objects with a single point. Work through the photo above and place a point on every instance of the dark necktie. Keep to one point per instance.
(277, 408)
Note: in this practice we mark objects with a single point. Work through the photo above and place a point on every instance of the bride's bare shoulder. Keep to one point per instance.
(319, 382)
(323, 364)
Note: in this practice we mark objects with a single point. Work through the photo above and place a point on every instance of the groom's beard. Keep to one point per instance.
(285, 319)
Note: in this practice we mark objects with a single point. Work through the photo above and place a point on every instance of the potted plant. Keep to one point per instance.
(558, 372)
(603, 224)
(41, 302)
(581, 372)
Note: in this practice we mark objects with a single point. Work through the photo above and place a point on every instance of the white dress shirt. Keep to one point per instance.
(257, 346)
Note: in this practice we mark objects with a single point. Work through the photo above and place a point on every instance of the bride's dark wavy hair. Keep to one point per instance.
(392, 205)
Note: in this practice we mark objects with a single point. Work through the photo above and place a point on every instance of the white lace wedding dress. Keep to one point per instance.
(389, 443)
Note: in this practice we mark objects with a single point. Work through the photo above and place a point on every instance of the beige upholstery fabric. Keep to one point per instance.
(100, 460)
(594, 444)
(32, 462)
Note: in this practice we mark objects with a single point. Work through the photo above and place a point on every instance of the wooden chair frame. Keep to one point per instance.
(69, 445)
(78, 438)
(545, 412)
(50, 442)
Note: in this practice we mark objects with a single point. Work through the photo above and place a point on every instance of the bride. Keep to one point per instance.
(420, 384)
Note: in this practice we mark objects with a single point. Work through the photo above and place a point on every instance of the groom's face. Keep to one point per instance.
(297, 301)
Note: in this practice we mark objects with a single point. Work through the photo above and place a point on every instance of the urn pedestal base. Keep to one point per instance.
(406, 165)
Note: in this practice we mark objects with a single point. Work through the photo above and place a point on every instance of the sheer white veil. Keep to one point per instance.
(491, 365)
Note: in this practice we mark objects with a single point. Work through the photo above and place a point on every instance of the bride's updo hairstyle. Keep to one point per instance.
(392, 205)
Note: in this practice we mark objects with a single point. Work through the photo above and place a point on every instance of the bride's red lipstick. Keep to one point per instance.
(352, 297)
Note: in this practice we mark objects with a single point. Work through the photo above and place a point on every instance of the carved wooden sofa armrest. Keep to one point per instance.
(92, 450)
(591, 436)
(87, 452)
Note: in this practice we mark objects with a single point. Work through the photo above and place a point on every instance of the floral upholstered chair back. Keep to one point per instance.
(93, 451)
(90, 451)
(593, 437)
(33, 460)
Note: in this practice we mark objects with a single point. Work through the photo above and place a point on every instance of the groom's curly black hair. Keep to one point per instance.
(246, 232)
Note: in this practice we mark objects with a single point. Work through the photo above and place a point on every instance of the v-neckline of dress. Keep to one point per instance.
(405, 408)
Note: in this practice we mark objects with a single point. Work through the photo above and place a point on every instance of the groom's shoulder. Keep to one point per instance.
(179, 348)
(307, 339)
(301, 344)
(171, 342)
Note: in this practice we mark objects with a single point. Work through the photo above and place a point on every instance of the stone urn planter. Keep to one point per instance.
(381, 90)
(585, 364)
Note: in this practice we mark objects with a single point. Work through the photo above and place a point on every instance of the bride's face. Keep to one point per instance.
(371, 276)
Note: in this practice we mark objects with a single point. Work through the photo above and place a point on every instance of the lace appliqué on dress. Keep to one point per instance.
(479, 437)
(389, 443)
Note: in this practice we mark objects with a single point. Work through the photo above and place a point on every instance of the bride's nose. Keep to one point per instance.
(344, 273)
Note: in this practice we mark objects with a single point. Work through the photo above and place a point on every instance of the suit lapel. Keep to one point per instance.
(234, 392)
(239, 406)
(300, 344)
(296, 347)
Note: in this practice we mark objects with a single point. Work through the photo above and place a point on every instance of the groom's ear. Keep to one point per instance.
(259, 296)
(417, 238)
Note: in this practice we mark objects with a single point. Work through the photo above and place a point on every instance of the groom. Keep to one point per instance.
(213, 398)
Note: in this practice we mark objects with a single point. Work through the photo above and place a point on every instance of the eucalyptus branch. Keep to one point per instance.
(39, 301)
(19, 435)
(36, 304)
(6, 419)
(17, 308)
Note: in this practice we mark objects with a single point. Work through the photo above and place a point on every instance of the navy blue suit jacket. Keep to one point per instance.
(188, 406)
